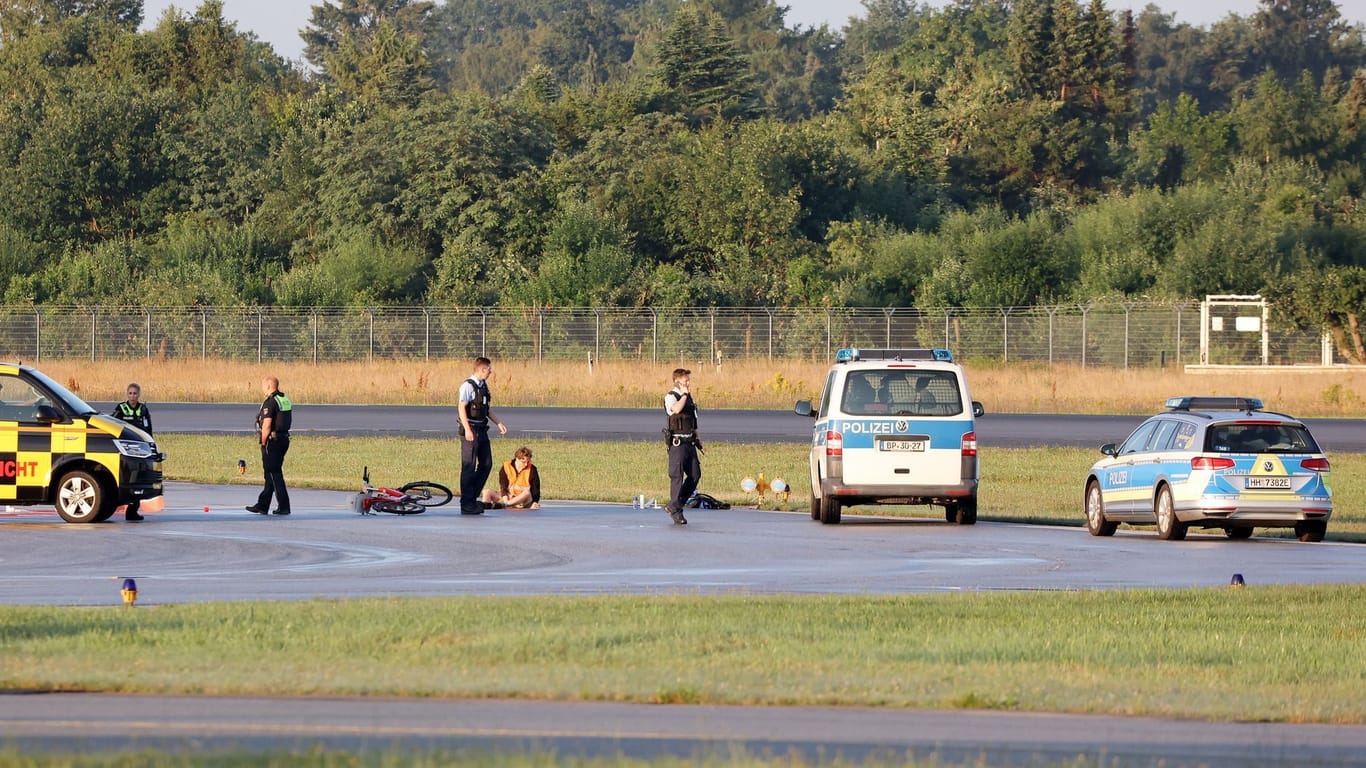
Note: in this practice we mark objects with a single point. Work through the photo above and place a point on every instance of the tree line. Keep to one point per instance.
(671, 153)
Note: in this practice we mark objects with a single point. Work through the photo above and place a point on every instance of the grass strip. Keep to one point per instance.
(1292, 654)
(1037, 485)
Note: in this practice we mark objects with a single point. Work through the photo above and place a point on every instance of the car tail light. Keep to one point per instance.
(1317, 465)
(834, 443)
(1211, 462)
(969, 443)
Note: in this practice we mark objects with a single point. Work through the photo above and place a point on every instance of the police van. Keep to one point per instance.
(57, 450)
(894, 426)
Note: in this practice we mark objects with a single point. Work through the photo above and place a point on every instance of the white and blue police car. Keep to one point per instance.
(894, 426)
(1212, 462)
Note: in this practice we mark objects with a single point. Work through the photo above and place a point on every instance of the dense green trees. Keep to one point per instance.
(632, 152)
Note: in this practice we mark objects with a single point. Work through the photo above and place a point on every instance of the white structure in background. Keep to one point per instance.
(1224, 321)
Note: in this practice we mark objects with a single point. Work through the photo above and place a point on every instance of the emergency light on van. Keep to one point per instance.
(854, 354)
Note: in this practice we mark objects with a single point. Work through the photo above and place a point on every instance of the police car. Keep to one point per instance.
(894, 426)
(1212, 462)
(55, 449)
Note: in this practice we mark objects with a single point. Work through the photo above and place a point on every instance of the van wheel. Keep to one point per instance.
(965, 512)
(830, 510)
(81, 498)
(1238, 533)
(815, 506)
(1168, 527)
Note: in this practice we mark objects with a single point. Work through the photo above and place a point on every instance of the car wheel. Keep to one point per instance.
(965, 512)
(1168, 527)
(950, 513)
(815, 506)
(81, 498)
(1238, 533)
(1095, 513)
(1311, 530)
(830, 510)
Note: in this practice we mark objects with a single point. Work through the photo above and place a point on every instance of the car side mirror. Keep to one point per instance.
(46, 414)
(1110, 449)
(803, 408)
(977, 409)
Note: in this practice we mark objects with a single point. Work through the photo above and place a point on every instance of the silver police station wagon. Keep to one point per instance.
(1212, 462)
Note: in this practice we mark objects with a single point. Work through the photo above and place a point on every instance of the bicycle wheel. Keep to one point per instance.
(398, 507)
(427, 493)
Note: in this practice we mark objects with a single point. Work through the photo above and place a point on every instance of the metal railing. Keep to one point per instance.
(1103, 335)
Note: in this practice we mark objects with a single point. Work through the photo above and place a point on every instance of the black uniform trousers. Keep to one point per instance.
(685, 471)
(476, 462)
(273, 463)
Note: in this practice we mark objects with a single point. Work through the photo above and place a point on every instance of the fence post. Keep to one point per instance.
(313, 316)
(829, 334)
(540, 332)
(370, 352)
(203, 334)
(1128, 311)
(483, 332)
(654, 337)
(94, 315)
(1085, 311)
(771, 313)
(597, 334)
(37, 335)
(427, 334)
(260, 321)
(1178, 334)
(1052, 315)
(149, 333)
(1005, 334)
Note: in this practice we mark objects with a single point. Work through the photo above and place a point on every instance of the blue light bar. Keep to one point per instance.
(854, 354)
(1210, 403)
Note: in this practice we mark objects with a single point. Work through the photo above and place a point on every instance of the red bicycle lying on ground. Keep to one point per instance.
(411, 499)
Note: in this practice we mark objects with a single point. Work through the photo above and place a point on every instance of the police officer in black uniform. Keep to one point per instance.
(476, 455)
(134, 412)
(685, 468)
(274, 420)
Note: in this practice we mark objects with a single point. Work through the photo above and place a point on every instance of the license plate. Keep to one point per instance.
(901, 445)
(1267, 484)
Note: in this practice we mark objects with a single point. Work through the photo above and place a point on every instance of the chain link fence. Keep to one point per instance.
(1104, 335)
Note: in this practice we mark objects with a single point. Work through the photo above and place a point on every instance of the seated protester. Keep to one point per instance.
(519, 484)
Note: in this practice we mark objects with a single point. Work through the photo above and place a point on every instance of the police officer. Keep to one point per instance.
(274, 420)
(476, 455)
(685, 469)
(134, 412)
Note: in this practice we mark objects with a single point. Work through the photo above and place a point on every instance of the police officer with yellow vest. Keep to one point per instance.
(476, 455)
(274, 420)
(134, 412)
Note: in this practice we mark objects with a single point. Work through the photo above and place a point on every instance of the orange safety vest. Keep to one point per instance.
(517, 481)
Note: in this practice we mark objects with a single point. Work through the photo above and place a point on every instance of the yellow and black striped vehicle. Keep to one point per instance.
(57, 450)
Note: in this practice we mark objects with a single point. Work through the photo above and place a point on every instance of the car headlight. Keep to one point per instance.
(136, 449)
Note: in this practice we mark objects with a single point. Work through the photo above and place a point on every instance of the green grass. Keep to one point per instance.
(1038, 485)
(1294, 654)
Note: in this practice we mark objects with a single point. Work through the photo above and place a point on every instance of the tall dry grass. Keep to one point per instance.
(1020, 388)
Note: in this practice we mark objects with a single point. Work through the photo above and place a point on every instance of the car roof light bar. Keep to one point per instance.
(1211, 403)
(856, 354)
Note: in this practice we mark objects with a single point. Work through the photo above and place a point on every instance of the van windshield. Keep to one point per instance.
(901, 393)
(74, 404)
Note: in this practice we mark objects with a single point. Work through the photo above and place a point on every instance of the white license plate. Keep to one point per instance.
(901, 445)
(1267, 484)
